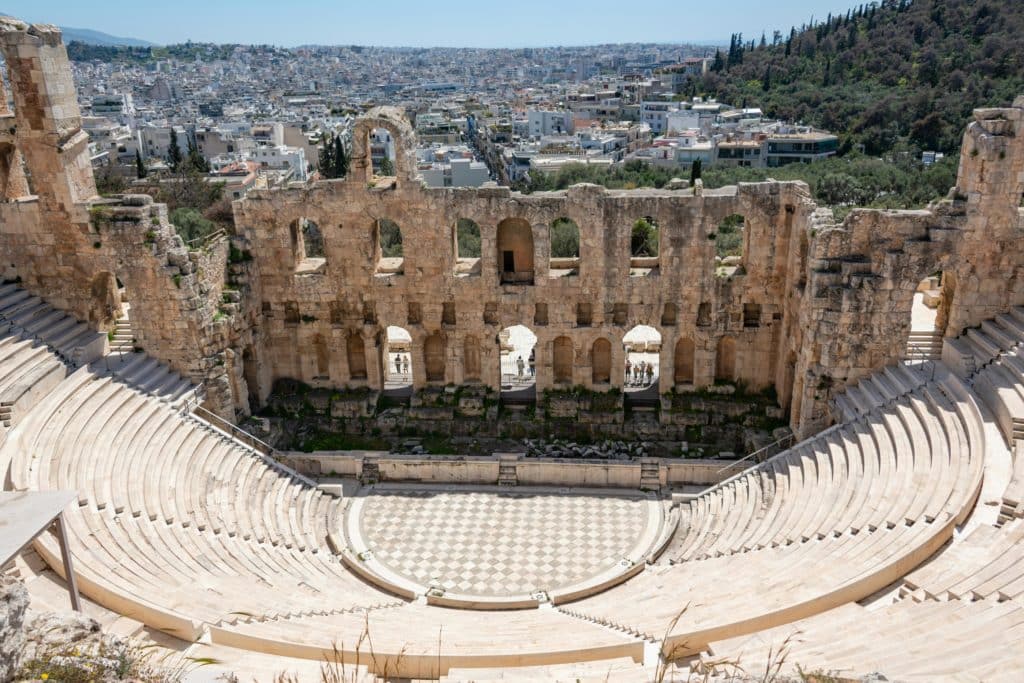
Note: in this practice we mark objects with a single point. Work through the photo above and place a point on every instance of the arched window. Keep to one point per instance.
(644, 247)
(515, 251)
(389, 247)
(382, 152)
(312, 238)
(729, 245)
(565, 248)
(562, 360)
(467, 247)
(601, 361)
(683, 361)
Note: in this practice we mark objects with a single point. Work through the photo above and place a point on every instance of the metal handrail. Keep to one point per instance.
(916, 352)
(240, 434)
(197, 396)
(789, 439)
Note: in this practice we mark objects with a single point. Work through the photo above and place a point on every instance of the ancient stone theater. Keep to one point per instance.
(885, 536)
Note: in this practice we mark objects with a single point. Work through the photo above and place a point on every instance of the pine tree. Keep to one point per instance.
(386, 167)
(174, 151)
(764, 42)
(140, 167)
(695, 170)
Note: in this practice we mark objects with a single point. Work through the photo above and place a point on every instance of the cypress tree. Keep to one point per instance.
(174, 151)
(695, 169)
(326, 157)
(140, 167)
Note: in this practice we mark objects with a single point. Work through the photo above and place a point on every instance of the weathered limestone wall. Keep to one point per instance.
(347, 296)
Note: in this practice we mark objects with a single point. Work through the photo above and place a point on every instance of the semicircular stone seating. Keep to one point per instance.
(181, 527)
(960, 615)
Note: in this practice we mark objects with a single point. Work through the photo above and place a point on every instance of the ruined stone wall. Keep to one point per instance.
(65, 244)
(348, 293)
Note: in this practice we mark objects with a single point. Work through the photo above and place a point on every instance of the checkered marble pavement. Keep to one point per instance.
(493, 543)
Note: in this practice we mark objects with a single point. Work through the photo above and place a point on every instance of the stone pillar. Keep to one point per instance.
(49, 123)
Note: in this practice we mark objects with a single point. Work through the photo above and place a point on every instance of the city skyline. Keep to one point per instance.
(413, 24)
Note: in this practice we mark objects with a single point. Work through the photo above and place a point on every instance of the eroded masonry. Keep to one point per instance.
(303, 288)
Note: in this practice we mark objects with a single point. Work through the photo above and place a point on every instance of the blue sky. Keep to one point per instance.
(460, 23)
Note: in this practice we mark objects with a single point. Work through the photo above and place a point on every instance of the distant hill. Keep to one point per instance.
(91, 37)
(883, 74)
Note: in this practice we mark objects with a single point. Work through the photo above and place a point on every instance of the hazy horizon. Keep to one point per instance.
(405, 24)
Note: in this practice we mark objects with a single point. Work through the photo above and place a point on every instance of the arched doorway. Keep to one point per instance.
(515, 252)
(929, 313)
(104, 302)
(517, 351)
(433, 357)
(397, 356)
(683, 361)
(725, 360)
(642, 346)
(601, 361)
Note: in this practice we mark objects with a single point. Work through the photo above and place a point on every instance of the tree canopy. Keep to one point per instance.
(881, 73)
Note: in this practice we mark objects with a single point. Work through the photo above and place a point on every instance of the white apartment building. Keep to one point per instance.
(156, 140)
(655, 114)
(281, 158)
(456, 173)
(542, 122)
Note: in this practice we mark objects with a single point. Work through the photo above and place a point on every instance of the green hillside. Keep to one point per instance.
(881, 74)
